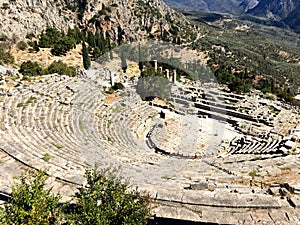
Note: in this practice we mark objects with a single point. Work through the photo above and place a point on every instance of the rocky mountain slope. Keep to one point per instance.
(277, 9)
(129, 19)
(248, 4)
(284, 13)
(293, 19)
(217, 6)
(19, 17)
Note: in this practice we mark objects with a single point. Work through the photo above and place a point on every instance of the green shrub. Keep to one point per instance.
(6, 56)
(20, 104)
(57, 145)
(30, 36)
(253, 174)
(22, 45)
(106, 199)
(76, 34)
(30, 68)
(46, 157)
(118, 86)
(60, 68)
(63, 45)
(60, 43)
(34, 45)
(49, 37)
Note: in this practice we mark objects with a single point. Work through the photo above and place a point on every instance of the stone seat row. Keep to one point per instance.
(45, 126)
(72, 134)
(255, 147)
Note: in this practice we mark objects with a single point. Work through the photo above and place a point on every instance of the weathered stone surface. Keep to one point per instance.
(176, 212)
(198, 197)
(200, 186)
(170, 195)
(274, 191)
(2, 70)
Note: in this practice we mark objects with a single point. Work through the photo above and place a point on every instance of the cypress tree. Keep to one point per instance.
(91, 39)
(110, 50)
(96, 53)
(141, 64)
(85, 56)
(123, 62)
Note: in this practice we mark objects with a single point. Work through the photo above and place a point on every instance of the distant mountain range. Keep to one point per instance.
(285, 11)
(278, 12)
(235, 7)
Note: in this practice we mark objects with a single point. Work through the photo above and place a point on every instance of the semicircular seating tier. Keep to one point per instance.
(65, 124)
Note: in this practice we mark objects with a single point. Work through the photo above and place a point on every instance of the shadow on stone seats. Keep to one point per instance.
(167, 221)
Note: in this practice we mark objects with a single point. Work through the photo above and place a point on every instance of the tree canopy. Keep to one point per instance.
(31, 203)
(59, 43)
(85, 57)
(123, 61)
(105, 199)
(153, 84)
(61, 68)
(30, 68)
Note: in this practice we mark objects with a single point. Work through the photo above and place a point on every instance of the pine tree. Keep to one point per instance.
(85, 57)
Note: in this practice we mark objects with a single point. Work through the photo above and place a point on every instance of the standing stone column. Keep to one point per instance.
(174, 76)
(160, 69)
(168, 74)
(155, 65)
(112, 78)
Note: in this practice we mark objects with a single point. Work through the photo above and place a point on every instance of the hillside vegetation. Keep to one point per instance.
(241, 54)
(252, 55)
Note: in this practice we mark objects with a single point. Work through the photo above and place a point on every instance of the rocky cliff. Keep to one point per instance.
(248, 4)
(21, 17)
(129, 19)
(293, 19)
(277, 9)
(286, 12)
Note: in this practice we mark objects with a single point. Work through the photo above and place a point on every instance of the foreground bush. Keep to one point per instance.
(31, 203)
(106, 199)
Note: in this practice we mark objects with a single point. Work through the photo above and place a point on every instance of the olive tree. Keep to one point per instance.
(107, 199)
(31, 203)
